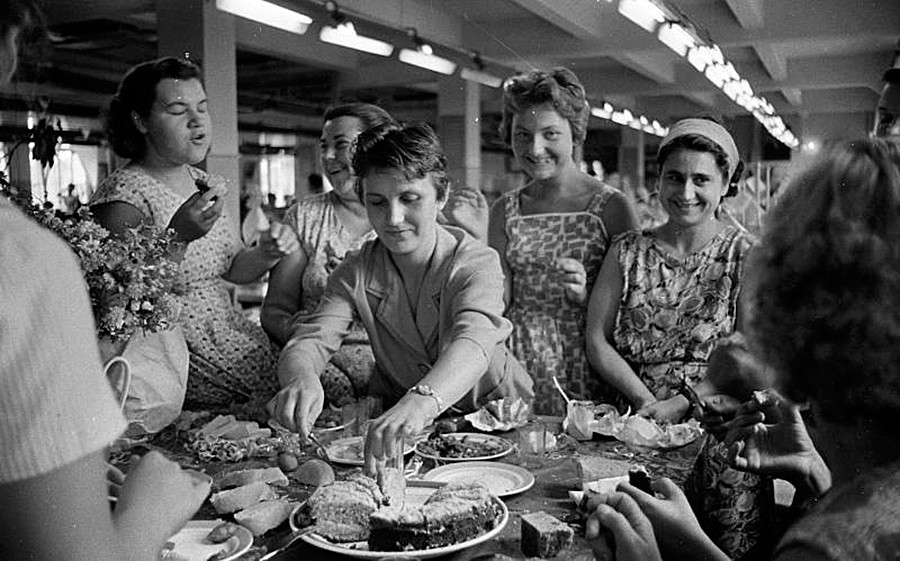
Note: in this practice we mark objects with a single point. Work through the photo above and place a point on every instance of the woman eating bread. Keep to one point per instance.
(430, 298)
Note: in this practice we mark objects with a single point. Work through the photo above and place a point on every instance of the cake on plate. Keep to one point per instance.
(341, 510)
(453, 514)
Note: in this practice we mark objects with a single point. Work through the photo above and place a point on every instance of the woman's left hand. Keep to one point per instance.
(574, 279)
(408, 417)
(670, 410)
(279, 240)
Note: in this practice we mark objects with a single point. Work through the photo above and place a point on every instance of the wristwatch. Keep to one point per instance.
(426, 390)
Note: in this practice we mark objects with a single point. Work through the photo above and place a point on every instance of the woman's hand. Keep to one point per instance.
(674, 523)
(196, 217)
(408, 417)
(297, 406)
(718, 411)
(573, 277)
(632, 532)
(670, 410)
(771, 438)
(157, 499)
(468, 209)
(279, 240)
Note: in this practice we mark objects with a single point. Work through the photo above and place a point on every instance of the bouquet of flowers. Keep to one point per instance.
(130, 278)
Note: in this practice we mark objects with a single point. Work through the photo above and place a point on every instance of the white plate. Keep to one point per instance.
(349, 451)
(191, 543)
(502, 444)
(501, 479)
(360, 550)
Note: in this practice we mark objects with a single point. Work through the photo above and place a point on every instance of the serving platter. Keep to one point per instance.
(360, 550)
(191, 544)
(501, 479)
(475, 446)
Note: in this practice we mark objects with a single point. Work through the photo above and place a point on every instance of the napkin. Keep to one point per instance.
(500, 415)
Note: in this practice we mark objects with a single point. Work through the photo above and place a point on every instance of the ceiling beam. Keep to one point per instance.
(772, 61)
(657, 66)
(749, 13)
(578, 19)
(793, 96)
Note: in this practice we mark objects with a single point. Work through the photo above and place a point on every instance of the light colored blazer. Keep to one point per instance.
(461, 297)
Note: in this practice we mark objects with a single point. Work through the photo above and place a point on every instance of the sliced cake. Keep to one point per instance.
(341, 510)
(262, 517)
(453, 514)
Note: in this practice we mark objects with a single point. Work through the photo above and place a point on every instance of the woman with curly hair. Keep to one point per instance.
(667, 297)
(552, 234)
(824, 291)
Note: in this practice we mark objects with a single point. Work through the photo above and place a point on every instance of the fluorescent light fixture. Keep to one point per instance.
(601, 113)
(642, 12)
(480, 77)
(676, 37)
(267, 13)
(423, 57)
(622, 117)
(700, 57)
(715, 73)
(344, 35)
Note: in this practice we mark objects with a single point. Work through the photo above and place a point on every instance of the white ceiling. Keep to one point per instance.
(807, 57)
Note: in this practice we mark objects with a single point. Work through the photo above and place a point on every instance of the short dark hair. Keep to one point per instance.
(370, 115)
(413, 150)
(137, 92)
(559, 87)
(700, 143)
(891, 76)
(823, 298)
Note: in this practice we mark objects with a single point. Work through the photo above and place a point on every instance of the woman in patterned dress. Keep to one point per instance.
(553, 233)
(328, 225)
(158, 119)
(667, 296)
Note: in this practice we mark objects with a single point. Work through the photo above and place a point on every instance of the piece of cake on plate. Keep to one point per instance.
(341, 510)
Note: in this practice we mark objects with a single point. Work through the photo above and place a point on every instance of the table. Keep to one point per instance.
(553, 480)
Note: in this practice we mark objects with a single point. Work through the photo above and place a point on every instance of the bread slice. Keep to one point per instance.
(262, 517)
(242, 497)
(272, 475)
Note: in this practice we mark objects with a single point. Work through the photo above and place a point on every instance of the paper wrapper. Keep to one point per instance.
(584, 419)
(500, 415)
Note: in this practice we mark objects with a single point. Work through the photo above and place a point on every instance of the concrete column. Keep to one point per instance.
(459, 127)
(197, 30)
(631, 157)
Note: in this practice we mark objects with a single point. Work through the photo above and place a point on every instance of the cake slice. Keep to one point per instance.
(341, 510)
(262, 517)
(241, 497)
(242, 477)
(544, 536)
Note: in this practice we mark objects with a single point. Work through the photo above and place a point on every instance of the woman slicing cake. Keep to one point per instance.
(430, 298)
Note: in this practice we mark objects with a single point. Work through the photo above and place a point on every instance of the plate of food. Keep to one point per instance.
(463, 447)
(502, 480)
(400, 532)
(197, 542)
(350, 451)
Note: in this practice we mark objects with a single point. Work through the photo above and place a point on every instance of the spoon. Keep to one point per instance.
(561, 391)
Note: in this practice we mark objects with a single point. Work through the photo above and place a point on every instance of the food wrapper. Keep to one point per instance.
(501, 415)
(584, 419)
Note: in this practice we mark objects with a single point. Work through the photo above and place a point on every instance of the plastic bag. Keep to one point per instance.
(159, 371)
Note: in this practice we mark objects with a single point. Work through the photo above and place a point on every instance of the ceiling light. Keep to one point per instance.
(676, 37)
(699, 56)
(478, 74)
(344, 35)
(642, 12)
(423, 56)
(480, 77)
(267, 13)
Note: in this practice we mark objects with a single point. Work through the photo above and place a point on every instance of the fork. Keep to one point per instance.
(321, 447)
(286, 541)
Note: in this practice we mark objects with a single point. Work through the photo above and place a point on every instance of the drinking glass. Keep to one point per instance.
(532, 443)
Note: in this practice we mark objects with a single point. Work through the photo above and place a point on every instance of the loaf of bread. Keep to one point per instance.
(272, 475)
(262, 517)
(544, 536)
(241, 497)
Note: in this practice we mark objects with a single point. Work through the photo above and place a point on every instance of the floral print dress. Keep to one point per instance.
(325, 242)
(231, 359)
(672, 314)
(549, 330)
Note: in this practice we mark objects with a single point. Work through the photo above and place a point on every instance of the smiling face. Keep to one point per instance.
(177, 129)
(336, 143)
(542, 141)
(690, 187)
(403, 212)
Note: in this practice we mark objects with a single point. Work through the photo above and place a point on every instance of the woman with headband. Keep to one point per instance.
(667, 296)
